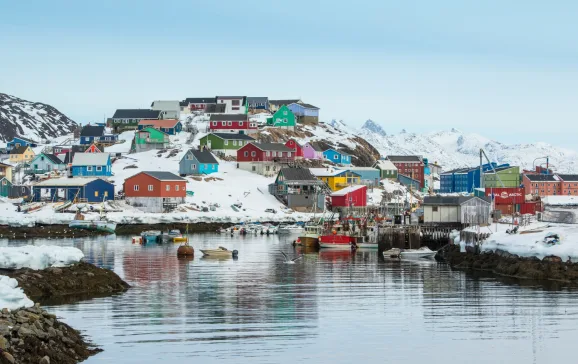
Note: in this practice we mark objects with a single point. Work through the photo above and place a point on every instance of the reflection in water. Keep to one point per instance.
(332, 306)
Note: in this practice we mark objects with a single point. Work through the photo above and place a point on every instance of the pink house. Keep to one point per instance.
(312, 150)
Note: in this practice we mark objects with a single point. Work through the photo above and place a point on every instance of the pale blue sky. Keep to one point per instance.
(505, 69)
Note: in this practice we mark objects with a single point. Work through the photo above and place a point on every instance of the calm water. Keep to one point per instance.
(331, 307)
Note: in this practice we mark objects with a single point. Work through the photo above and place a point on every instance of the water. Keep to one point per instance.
(330, 307)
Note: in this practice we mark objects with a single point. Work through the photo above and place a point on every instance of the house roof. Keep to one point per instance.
(25, 139)
(163, 123)
(257, 100)
(166, 104)
(229, 117)
(162, 176)
(231, 136)
(199, 100)
(329, 172)
(457, 170)
(278, 147)
(346, 190)
(56, 182)
(52, 158)
(307, 106)
(404, 158)
(92, 131)
(90, 159)
(136, 114)
(204, 156)
(243, 98)
(297, 174)
(5, 165)
(568, 177)
(215, 108)
(150, 129)
(353, 169)
(316, 147)
(338, 151)
(541, 177)
(497, 169)
(19, 150)
(385, 165)
(284, 102)
(450, 200)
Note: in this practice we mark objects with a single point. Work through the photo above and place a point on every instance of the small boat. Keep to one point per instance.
(219, 253)
(290, 229)
(367, 245)
(151, 236)
(311, 236)
(31, 206)
(422, 253)
(61, 206)
(392, 253)
(336, 241)
(177, 237)
(94, 225)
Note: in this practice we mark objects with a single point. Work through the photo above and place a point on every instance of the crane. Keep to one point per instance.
(483, 154)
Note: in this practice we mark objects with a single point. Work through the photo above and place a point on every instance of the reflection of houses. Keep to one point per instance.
(155, 191)
(352, 196)
(456, 209)
(336, 179)
(225, 143)
(298, 189)
(198, 162)
(264, 158)
(150, 139)
(74, 189)
(387, 169)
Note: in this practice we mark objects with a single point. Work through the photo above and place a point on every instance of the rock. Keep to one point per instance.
(24, 331)
(59, 333)
(8, 357)
(40, 334)
(51, 332)
(44, 360)
(4, 344)
(5, 311)
(49, 322)
(67, 341)
(38, 325)
(552, 259)
(22, 319)
(56, 271)
(4, 329)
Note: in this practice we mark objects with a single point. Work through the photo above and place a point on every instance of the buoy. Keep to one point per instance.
(137, 239)
(185, 251)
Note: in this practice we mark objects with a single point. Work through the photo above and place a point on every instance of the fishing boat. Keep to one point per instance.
(151, 236)
(219, 253)
(94, 225)
(336, 241)
(422, 253)
(290, 229)
(311, 236)
(61, 206)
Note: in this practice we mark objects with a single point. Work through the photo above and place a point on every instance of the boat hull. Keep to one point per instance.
(367, 245)
(309, 241)
(108, 227)
(336, 241)
(289, 231)
(217, 253)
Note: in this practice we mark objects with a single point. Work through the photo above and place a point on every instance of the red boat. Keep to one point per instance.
(336, 241)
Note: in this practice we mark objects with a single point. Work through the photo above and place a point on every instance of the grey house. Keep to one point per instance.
(198, 162)
(467, 210)
(169, 109)
(257, 103)
(299, 189)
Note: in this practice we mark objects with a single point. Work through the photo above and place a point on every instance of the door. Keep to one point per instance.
(209, 143)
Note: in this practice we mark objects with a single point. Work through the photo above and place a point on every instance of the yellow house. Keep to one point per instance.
(21, 154)
(6, 171)
(336, 179)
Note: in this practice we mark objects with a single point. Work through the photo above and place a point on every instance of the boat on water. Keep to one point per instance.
(174, 236)
(94, 225)
(336, 241)
(219, 253)
(310, 238)
(422, 253)
(151, 236)
(290, 229)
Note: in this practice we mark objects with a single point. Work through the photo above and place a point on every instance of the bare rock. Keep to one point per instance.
(7, 357)
(44, 360)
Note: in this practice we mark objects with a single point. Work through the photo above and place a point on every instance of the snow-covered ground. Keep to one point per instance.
(12, 297)
(38, 257)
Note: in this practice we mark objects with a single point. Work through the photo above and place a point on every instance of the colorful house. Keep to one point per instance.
(275, 105)
(170, 109)
(349, 197)
(233, 104)
(7, 189)
(91, 165)
(298, 189)
(21, 154)
(312, 150)
(232, 123)
(387, 169)
(45, 162)
(225, 143)
(198, 162)
(264, 158)
(507, 175)
(282, 118)
(91, 134)
(128, 119)
(409, 182)
(542, 185)
(337, 157)
(305, 113)
(6, 171)
(192, 104)
(409, 165)
(168, 126)
(368, 176)
(297, 148)
(336, 179)
(150, 139)
(93, 149)
(19, 142)
(90, 189)
(257, 104)
(155, 191)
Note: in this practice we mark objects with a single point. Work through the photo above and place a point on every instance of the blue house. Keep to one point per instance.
(198, 162)
(337, 157)
(464, 179)
(91, 165)
(108, 139)
(258, 103)
(19, 142)
(71, 189)
(409, 182)
(45, 162)
(369, 176)
(305, 113)
(91, 134)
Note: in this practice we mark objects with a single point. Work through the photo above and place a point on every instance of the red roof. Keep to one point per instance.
(168, 123)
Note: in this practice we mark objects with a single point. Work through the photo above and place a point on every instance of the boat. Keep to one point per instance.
(336, 241)
(422, 253)
(151, 236)
(219, 253)
(94, 225)
(311, 236)
(31, 206)
(290, 229)
(367, 245)
(392, 253)
(61, 206)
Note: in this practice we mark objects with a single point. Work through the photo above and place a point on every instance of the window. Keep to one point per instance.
(240, 123)
(105, 193)
(253, 154)
(135, 187)
(98, 168)
(4, 183)
(234, 142)
(267, 168)
(229, 123)
(274, 154)
(240, 142)
(214, 123)
(95, 193)
(168, 187)
(246, 154)
(42, 158)
(223, 123)
(335, 157)
(150, 187)
(176, 187)
(253, 168)
(226, 142)
(89, 168)
(235, 102)
(285, 113)
(285, 121)
(235, 108)
(189, 157)
(288, 154)
(204, 166)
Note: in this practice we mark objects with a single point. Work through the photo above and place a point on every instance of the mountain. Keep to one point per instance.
(455, 149)
(33, 120)
(372, 127)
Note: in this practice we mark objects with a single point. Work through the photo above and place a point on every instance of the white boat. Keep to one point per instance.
(219, 253)
(61, 206)
(367, 245)
(94, 225)
(290, 229)
(422, 253)
(31, 206)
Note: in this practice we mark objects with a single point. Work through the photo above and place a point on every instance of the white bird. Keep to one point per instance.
(290, 261)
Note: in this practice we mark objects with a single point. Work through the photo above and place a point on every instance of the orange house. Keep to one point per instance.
(155, 191)
(542, 185)
(568, 184)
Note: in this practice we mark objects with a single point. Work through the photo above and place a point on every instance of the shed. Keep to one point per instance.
(198, 162)
(352, 196)
(90, 189)
(470, 210)
(7, 189)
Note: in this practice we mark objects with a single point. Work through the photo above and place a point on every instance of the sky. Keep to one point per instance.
(505, 69)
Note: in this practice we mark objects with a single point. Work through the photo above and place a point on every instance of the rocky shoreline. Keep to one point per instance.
(502, 263)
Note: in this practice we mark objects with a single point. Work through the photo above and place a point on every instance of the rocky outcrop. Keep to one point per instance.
(32, 336)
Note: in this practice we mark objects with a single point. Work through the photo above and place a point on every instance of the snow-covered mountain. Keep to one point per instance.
(373, 127)
(455, 149)
(33, 120)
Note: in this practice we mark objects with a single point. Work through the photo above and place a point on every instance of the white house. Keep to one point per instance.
(169, 109)
(233, 104)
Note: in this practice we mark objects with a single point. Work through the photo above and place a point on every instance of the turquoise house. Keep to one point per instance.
(337, 157)
(198, 162)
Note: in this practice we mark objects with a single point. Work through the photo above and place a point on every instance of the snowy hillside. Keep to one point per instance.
(454, 149)
(33, 120)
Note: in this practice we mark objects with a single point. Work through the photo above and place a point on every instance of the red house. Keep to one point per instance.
(297, 148)
(232, 123)
(352, 196)
(264, 158)
(411, 166)
(155, 191)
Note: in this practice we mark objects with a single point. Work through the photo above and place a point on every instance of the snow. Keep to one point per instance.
(38, 257)
(125, 139)
(560, 200)
(12, 297)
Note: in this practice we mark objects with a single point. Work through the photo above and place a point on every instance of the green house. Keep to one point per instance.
(225, 143)
(509, 175)
(149, 139)
(283, 118)
(5, 187)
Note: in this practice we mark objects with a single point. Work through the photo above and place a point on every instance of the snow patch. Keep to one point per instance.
(38, 257)
(12, 297)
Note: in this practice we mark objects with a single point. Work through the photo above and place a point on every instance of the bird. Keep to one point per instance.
(290, 261)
